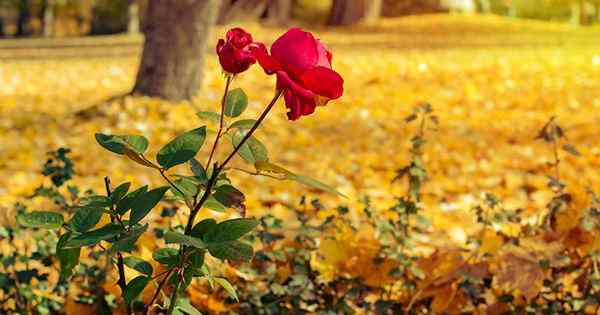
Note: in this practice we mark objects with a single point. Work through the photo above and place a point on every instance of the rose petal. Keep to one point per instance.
(296, 51)
(298, 106)
(323, 81)
(268, 63)
(284, 82)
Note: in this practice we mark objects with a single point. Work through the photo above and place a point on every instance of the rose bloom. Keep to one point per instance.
(303, 68)
(234, 52)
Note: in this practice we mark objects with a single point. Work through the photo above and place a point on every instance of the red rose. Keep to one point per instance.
(303, 68)
(234, 52)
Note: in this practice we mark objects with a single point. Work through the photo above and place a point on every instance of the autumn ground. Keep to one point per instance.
(493, 83)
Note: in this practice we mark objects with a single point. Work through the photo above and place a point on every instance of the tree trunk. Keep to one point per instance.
(373, 11)
(279, 11)
(49, 18)
(133, 17)
(486, 6)
(176, 38)
(346, 12)
(23, 27)
(577, 12)
(247, 10)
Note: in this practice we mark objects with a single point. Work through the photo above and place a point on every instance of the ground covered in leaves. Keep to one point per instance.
(492, 83)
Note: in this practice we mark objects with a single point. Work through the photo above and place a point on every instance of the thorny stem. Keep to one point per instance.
(120, 261)
(221, 118)
(158, 289)
(251, 131)
(195, 208)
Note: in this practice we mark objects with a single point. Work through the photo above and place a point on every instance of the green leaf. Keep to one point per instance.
(94, 237)
(197, 258)
(134, 288)
(236, 104)
(118, 193)
(210, 116)
(68, 258)
(41, 219)
(213, 204)
(243, 124)
(229, 196)
(202, 227)
(227, 286)
(96, 201)
(85, 219)
(252, 150)
(166, 256)
(178, 238)
(117, 144)
(186, 185)
(230, 230)
(128, 201)
(313, 183)
(198, 170)
(233, 251)
(181, 149)
(126, 242)
(144, 203)
(139, 265)
(183, 307)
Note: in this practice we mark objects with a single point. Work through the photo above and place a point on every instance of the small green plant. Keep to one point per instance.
(204, 185)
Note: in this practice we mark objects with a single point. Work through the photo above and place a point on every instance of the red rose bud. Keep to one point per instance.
(303, 68)
(234, 52)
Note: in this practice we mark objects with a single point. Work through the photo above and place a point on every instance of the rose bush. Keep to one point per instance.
(303, 68)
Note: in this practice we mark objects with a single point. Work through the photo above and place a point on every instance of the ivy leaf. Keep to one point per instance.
(68, 258)
(139, 265)
(229, 230)
(94, 237)
(85, 218)
(234, 251)
(227, 286)
(134, 288)
(41, 219)
(236, 104)
(117, 144)
(166, 256)
(128, 201)
(181, 149)
(144, 203)
(178, 238)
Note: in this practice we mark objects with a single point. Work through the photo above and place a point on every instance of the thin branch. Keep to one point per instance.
(254, 127)
(253, 173)
(158, 290)
(221, 117)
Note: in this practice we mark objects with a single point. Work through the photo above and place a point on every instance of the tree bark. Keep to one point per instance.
(346, 12)
(279, 11)
(176, 35)
(133, 17)
(577, 12)
(373, 11)
(23, 27)
(48, 28)
(249, 10)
